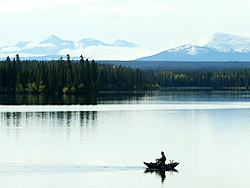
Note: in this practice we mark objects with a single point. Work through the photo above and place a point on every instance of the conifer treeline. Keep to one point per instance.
(223, 79)
(61, 76)
(72, 77)
(120, 78)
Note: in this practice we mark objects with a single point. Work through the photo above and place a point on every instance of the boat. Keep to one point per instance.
(166, 167)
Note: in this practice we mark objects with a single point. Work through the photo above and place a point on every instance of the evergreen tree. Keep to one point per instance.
(69, 72)
(87, 80)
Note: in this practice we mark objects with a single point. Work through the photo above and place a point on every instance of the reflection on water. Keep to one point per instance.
(45, 99)
(161, 173)
(126, 97)
(16, 119)
(104, 145)
(71, 99)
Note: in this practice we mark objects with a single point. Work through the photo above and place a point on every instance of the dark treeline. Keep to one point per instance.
(81, 76)
(225, 79)
(61, 76)
(120, 78)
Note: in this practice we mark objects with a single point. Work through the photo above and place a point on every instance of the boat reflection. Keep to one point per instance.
(161, 173)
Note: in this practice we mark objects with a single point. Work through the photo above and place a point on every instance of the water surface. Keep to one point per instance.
(104, 144)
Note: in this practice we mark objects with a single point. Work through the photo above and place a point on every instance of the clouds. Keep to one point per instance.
(110, 52)
(92, 49)
(157, 23)
(104, 19)
(38, 45)
(136, 9)
(92, 52)
(17, 6)
(10, 49)
(106, 8)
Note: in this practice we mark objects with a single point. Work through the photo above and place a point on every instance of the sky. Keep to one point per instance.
(156, 24)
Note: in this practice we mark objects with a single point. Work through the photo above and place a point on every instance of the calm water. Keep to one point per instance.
(104, 142)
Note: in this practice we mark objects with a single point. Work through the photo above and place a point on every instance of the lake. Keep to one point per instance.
(103, 141)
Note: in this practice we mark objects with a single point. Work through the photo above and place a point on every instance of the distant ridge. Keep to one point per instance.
(54, 46)
(219, 47)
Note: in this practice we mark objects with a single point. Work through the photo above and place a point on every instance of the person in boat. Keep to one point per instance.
(162, 160)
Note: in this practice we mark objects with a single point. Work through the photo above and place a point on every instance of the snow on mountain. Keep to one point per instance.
(58, 43)
(226, 42)
(219, 47)
(50, 46)
(186, 49)
(184, 53)
(21, 44)
(91, 42)
(123, 43)
(54, 46)
(118, 43)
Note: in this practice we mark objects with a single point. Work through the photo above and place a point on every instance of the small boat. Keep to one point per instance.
(166, 167)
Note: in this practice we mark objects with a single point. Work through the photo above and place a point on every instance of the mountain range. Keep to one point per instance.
(219, 47)
(54, 47)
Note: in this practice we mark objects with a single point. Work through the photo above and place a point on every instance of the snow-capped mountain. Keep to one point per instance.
(227, 42)
(59, 43)
(123, 43)
(219, 47)
(118, 43)
(50, 46)
(91, 42)
(21, 44)
(53, 46)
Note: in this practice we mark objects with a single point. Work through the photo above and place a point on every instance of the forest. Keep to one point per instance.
(88, 77)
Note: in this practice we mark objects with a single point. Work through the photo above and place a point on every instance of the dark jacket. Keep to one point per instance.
(161, 160)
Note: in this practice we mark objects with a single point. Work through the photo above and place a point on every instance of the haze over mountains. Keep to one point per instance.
(218, 47)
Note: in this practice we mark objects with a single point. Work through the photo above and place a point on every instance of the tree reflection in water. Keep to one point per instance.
(71, 119)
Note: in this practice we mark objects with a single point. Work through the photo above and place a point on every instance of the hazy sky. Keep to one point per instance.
(159, 24)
